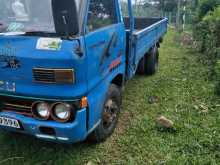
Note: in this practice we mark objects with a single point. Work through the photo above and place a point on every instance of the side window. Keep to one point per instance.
(101, 13)
(124, 7)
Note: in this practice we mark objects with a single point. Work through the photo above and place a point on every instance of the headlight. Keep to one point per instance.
(41, 110)
(62, 112)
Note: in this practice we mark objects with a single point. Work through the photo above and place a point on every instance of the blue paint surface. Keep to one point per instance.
(92, 71)
(73, 132)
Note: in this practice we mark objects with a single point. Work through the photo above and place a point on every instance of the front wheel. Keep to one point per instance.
(110, 115)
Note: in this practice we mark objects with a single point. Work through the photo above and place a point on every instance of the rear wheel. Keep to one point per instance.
(141, 66)
(149, 63)
(152, 61)
(110, 115)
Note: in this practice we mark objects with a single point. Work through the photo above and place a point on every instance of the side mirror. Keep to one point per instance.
(65, 17)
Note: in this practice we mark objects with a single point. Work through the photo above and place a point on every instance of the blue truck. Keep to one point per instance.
(63, 65)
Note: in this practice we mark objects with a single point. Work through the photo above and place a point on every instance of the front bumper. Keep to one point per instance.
(64, 132)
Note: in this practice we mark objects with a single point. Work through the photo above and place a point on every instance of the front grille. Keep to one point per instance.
(13, 105)
(42, 75)
(24, 110)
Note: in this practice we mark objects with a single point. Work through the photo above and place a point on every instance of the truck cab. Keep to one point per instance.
(63, 65)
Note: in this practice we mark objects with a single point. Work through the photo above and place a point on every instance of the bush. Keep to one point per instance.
(217, 69)
(212, 21)
(207, 34)
(205, 7)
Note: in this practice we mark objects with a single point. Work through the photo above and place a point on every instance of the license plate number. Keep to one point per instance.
(7, 122)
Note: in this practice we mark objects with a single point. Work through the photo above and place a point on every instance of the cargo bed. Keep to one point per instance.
(147, 32)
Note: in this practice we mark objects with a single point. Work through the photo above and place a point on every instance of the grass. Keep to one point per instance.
(186, 96)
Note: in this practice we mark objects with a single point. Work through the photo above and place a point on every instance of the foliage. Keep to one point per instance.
(213, 22)
(207, 32)
(205, 7)
(141, 8)
(217, 70)
(168, 5)
(207, 29)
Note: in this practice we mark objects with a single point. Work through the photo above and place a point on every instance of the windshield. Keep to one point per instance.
(27, 16)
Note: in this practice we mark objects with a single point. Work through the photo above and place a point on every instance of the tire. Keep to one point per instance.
(152, 61)
(141, 66)
(148, 65)
(110, 115)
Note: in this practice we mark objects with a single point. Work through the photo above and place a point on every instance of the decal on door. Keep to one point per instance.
(115, 64)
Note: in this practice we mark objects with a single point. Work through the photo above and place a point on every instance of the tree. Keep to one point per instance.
(206, 6)
(167, 5)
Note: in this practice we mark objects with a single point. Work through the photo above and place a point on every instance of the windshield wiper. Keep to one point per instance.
(11, 33)
(40, 33)
(32, 33)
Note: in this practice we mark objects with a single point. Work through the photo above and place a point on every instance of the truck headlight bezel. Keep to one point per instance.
(41, 110)
(62, 112)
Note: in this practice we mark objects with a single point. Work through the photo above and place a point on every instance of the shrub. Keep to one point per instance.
(213, 28)
(205, 6)
(217, 70)
(207, 33)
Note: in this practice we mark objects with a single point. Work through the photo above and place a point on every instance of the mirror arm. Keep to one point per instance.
(66, 25)
(79, 50)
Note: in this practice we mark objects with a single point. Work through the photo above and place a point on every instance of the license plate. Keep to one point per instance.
(7, 122)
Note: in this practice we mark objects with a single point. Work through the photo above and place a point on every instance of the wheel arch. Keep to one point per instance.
(118, 80)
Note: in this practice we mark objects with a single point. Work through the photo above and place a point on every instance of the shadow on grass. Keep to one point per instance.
(28, 140)
(18, 149)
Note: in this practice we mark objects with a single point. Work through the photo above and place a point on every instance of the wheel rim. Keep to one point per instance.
(111, 110)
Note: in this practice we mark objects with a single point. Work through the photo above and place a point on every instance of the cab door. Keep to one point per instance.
(105, 42)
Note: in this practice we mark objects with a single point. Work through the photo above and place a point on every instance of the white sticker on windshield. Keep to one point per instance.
(49, 44)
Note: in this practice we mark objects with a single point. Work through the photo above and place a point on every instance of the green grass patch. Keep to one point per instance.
(186, 96)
